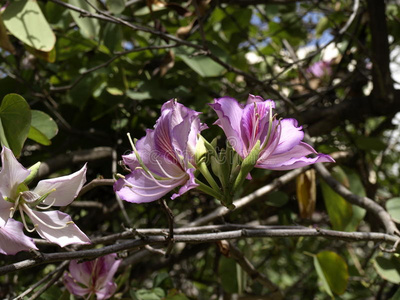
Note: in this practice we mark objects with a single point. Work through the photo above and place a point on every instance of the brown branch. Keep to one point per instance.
(258, 232)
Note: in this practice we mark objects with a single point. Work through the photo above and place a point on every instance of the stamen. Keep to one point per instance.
(24, 222)
(28, 211)
(48, 206)
(131, 186)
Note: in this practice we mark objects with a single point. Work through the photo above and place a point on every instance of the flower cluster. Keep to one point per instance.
(174, 153)
(53, 225)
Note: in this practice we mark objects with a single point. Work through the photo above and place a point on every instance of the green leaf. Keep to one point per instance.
(228, 274)
(201, 64)
(44, 123)
(25, 21)
(277, 199)
(388, 269)
(15, 120)
(154, 294)
(322, 25)
(370, 143)
(333, 272)
(89, 27)
(393, 208)
(116, 6)
(339, 210)
(35, 135)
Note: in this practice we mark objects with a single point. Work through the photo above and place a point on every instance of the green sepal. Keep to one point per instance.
(247, 165)
(34, 171)
(22, 187)
(201, 150)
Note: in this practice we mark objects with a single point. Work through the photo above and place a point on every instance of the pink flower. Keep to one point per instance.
(281, 146)
(321, 69)
(165, 158)
(54, 226)
(93, 277)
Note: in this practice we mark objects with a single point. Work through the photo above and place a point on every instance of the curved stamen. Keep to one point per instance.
(165, 172)
(48, 206)
(130, 186)
(157, 182)
(29, 212)
(24, 222)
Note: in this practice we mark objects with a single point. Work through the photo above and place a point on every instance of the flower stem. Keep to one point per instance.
(208, 190)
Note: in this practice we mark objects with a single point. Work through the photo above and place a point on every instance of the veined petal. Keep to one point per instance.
(73, 287)
(295, 158)
(66, 188)
(139, 187)
(81, 271)
(230, 112)
(190, 184)
(4, 210)
(12, 173)
(291, 136)
(13, 239)
(57, 227)
(107, 291)
(295, 163)
(106, 268)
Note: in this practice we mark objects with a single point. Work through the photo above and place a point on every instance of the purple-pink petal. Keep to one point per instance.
(73, 287)
(229, 113)
(140, 187)
(190, 184)
(13, 239)
(291, 135)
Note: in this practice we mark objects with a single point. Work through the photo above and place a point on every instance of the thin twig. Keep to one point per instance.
(254, 274)
(170, 217)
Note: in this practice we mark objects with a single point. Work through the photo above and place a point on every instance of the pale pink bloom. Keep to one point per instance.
(93, 277)
(54, 226)
(321, 69)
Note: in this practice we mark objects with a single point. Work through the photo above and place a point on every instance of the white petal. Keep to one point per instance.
(66, 188)
(13, 239)
(12, 173)
(51, 225)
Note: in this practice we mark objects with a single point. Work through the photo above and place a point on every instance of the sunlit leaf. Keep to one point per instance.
(332, 271)
(25, 20)
(393, 208)
(15, 121)
(388, 268)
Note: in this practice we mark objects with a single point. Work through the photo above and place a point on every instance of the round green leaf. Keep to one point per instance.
(393, 208)
(44, 123)
(26, 22)
(332, 270)
(15, 120)
(388, 269)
